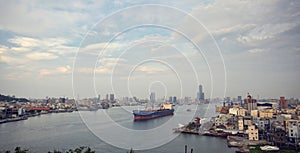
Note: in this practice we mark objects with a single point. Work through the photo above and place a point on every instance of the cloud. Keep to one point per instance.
(105, 66)
(56, 71)
(102, 70)
(163, 48)
(3, 49)
(17, 76)
(24, 41)
(257, 50)
(8, 59)
(150, 69)
(46, 18)
(41, 56)
(54, 45)
(266, 31)
(20, 49)
(112, 60)
(98, 47)
(232, 29)
(243, 29)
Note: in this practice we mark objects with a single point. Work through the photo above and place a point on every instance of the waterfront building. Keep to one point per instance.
(222, 119)
(252, 132)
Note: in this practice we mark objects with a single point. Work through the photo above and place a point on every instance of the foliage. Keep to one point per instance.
(257, 149)
(12, 98)
(131, 151)
(82, 149)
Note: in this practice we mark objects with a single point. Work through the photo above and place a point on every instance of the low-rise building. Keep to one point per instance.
(254, 113)
(247, 120)
(238, 111)
(278, 134)
(222, 119)
(240, 124)
(252, 132)
(292, 130)
(265, 114)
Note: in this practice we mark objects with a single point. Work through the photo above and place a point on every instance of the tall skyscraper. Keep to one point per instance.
(250, 103)
(283, 103)
(200, 94)
(152, 97)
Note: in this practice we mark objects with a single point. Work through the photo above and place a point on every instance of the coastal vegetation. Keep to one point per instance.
(256, 149)
(82, 149)
(12, 98)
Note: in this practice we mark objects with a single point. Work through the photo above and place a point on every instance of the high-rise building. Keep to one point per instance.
(152, 97)
(250, 103)
(112, 97)
(170, 99)
(239, 99)
(200, 93)
(106, 98)
(283, 103)
(174, 99)
(99, 98)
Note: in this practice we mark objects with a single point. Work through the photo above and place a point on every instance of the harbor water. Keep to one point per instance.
(64, 131)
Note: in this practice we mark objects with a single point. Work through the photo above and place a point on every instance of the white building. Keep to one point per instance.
(293, 129)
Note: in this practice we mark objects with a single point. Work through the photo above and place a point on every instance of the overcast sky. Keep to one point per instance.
(86, 48)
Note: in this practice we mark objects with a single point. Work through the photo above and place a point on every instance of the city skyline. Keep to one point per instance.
(123, 48)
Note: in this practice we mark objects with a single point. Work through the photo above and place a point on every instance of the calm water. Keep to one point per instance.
(67, 130)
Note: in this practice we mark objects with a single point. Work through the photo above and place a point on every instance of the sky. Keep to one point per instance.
(90, 48)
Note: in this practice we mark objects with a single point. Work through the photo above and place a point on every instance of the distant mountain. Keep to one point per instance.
(12, 98)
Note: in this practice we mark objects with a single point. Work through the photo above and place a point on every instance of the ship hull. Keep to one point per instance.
(146, 115)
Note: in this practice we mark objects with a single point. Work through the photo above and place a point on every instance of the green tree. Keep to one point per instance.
(19, 150)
